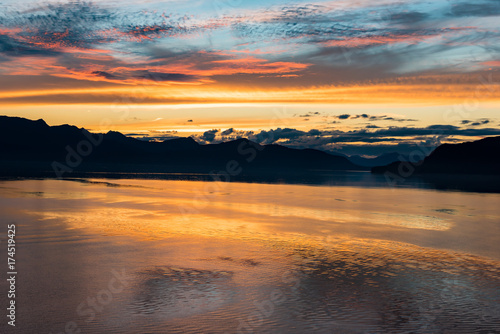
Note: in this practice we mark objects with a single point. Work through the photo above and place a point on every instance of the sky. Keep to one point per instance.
(354, 77)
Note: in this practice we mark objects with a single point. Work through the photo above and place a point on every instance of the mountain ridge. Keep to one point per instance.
(29, 146)
(479, 157)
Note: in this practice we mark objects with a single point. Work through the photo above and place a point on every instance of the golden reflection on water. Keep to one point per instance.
(181, 208)
(157, 209)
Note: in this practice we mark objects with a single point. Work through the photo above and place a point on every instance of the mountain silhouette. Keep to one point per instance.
(31, 148)
(382, 160)
(479, 157)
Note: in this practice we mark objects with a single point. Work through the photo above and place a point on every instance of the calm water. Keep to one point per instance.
(149, 256)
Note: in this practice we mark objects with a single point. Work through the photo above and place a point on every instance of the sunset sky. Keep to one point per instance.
(357, 77)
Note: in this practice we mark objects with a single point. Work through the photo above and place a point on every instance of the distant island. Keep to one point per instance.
(480, 157)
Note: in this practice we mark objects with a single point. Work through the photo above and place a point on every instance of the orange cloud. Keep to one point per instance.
(10, 31)
(375, 40)
(252, 65)
(493, 63)
(400, 92)
(99, 65)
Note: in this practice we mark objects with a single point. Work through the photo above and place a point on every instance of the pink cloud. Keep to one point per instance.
(492, 63)
(413, 38)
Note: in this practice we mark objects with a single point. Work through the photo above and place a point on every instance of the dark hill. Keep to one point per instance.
(382, 160)
(31, 148)
(480, 157)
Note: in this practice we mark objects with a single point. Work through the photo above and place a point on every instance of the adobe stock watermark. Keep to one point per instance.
(85, 147)
(11, 274)
(88, 309)
(266, 308)
(453, 290)
(248, 151)
(75, 156)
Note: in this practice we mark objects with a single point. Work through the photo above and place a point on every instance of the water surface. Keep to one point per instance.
(241, 258)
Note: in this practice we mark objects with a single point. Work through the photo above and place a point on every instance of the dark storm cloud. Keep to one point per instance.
(448, 130)
(209, 136)
(374, 118)
(11, 47)
(292, 136)
(370, 140)
(160, 77)
(105, 74)
(482, 121)
(272, 136)
(388, 118)
(367, 141)
(310, 114)
(410, 17)
(314, 132)
(362, 116)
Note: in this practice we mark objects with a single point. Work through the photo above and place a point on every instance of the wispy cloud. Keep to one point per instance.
(329, 43)
(478, 8)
